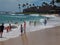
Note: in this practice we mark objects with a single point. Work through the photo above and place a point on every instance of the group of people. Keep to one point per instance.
(30, 23)
(8, 28)
(35, 22)
(23, 28)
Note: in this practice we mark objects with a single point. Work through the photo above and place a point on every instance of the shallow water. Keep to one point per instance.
(52, 22)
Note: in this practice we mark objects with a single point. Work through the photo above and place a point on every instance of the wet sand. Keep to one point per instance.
(49, 36)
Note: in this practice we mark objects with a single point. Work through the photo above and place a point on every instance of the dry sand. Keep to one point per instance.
(49, 36)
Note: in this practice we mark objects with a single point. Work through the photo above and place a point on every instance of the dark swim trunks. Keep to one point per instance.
(21, 29)
(1, 28)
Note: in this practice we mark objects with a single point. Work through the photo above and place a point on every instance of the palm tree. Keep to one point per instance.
(58, 1)
(23, 6)
(19, 7)
(27, 5)
(52, 2)
(44, 4)
(33, 4)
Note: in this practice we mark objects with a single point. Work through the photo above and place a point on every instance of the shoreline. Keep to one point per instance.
(16, 36)
(30, 28)
(43, 37)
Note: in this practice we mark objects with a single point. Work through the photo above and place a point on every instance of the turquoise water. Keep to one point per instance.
(18, 18)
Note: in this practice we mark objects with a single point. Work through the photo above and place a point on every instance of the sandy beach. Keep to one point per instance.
(50, 36)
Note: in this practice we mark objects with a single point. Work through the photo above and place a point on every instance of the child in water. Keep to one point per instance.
(21, 29)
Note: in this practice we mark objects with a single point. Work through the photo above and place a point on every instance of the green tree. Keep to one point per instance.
(30, 5)
(23, 6)
(19, 7)
(33, 4)
(58, 1)
(27, 5)
(52, 2)
(45, 4)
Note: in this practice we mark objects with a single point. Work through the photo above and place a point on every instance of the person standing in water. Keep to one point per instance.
(24, 27)
(29, 22)
(10, 27)
(1, 29)
(21, 29)
(45, 21)
(34, 23)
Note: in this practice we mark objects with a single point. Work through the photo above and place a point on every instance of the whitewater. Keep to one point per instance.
(52, 22)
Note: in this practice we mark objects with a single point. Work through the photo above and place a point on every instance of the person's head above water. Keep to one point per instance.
(21, 25)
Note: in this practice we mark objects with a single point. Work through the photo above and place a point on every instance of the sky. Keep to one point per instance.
(12, 5)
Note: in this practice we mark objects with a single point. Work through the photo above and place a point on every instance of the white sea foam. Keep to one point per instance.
(16, 32)
(49, 15)
(12, 14)
(34, 14)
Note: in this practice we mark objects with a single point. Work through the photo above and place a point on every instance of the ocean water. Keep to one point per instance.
(18, 18)
(29, 28)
